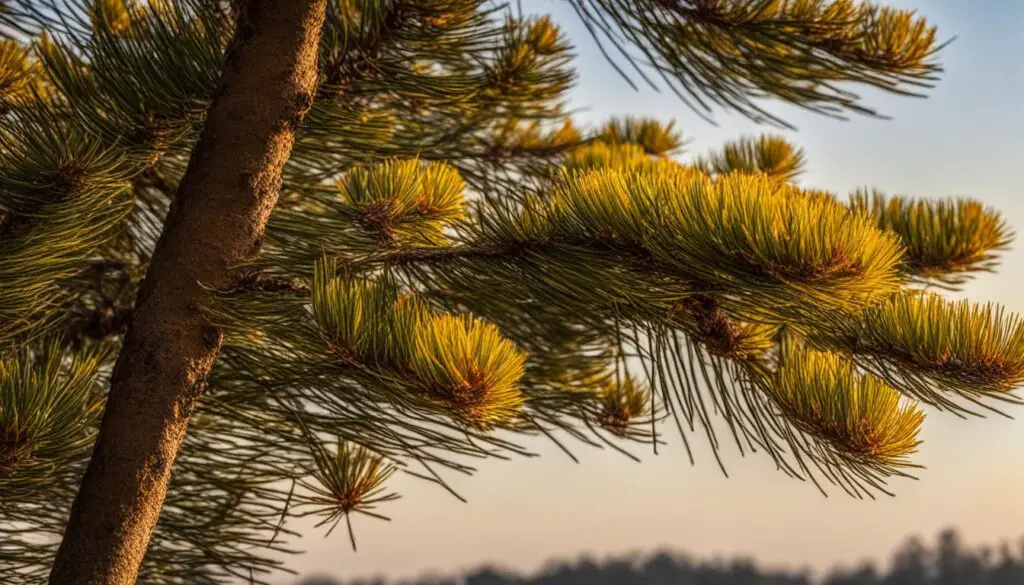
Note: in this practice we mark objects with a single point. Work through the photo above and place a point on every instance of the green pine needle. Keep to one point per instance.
(734, 54)
(49, 405)
(348, 480)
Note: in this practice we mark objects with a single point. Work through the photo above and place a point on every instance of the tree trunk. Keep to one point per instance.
(215, 222)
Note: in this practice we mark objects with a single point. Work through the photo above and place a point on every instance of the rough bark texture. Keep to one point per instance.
(216, 221)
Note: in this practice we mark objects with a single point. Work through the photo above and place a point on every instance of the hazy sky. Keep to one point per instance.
(966, 139)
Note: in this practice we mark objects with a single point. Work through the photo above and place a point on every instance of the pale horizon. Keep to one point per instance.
(966, 139)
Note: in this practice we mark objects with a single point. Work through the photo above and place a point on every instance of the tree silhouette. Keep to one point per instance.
(913, 563)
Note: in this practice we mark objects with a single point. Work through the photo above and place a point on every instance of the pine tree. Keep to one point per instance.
(450, 264)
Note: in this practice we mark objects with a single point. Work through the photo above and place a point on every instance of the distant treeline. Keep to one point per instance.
(948, 562)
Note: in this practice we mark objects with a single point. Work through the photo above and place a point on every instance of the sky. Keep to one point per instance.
(966, 139)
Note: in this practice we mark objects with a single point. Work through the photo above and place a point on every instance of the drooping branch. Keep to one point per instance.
(734, 53)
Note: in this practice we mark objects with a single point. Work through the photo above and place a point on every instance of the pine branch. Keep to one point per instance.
(353, 63)
(251, 281)
(431, 256)
(734, 53)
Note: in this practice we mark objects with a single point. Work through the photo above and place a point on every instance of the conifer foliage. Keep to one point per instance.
(453, 265)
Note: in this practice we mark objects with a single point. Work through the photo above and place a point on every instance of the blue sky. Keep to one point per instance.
(966, 139)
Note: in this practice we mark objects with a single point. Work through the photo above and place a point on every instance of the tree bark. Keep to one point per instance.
(215, 222)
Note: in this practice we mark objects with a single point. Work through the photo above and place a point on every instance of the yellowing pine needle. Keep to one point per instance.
(358, 318)
(964, 346)
(622, 404)
(600, 155)
(20, 73)
(944, 238)
(740, 232)
(464, 363)
(767, 154)
(457, 361)
(651, 135)
(405, 201)
(859, 414)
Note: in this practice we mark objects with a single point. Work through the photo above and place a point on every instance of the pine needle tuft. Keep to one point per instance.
(857, 413)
